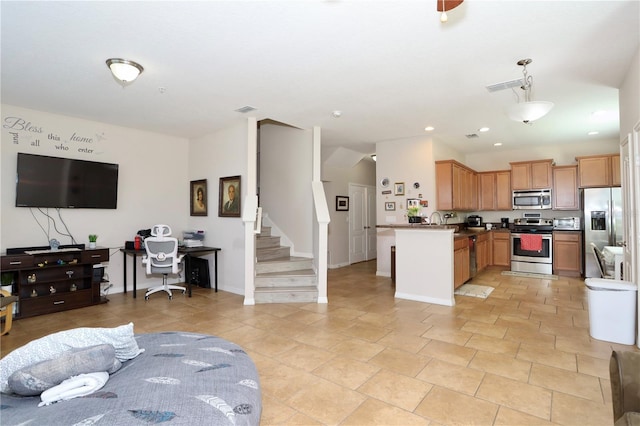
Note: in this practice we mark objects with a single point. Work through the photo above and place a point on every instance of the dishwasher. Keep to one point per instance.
(473, 266)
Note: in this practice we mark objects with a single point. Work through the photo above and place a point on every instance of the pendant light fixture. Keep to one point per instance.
(124, 70)
(528, 111)
(445, 5)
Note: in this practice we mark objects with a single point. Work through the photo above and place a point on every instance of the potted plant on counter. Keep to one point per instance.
(92, 240)
(413, 213)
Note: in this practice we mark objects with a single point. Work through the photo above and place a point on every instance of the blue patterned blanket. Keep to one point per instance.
(180, 379)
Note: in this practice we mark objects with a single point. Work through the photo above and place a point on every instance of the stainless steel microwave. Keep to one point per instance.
(532, 199)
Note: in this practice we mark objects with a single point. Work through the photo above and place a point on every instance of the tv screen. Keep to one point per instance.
(44, 181)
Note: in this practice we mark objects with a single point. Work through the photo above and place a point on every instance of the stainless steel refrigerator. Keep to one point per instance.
(603, 226)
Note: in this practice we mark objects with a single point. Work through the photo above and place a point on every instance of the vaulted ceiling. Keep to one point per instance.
(390, 67)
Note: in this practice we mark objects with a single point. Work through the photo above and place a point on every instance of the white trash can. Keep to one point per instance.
(612, 310)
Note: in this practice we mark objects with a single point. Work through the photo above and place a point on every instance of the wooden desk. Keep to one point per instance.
(188, 253)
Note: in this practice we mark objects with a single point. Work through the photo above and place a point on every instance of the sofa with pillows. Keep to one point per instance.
(111, 376)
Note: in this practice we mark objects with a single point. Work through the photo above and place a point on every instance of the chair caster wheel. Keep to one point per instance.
(170, 297)
(146, 298)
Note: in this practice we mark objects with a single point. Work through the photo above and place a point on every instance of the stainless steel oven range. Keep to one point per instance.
(532, 245)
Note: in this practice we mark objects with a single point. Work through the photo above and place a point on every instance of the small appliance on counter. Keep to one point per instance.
(567, 224)
(474, 221)
(504, 222)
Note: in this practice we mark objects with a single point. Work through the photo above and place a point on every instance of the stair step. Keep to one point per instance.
(265, 231)
(291, 263)
(304, 277)
(286, 294)
(265, 242)
(272, 253)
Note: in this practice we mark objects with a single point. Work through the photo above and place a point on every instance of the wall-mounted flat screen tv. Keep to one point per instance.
(44, 181)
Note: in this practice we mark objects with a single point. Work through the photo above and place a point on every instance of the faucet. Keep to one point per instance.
(439, 218)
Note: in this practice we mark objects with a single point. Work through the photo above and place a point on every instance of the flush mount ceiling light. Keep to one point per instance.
(123, 70)
(528, 111)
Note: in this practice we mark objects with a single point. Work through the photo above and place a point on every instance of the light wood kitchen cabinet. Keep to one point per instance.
(456, 186)
(482, 251)
(531, 174)
(596, 171)
(567, 253)
(565, 188)
(461, 272)
(504, 199)
(616, 176)
(501, 248)
(494, 190)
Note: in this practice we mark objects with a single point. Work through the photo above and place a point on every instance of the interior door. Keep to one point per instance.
(357, 223)
(372, 244)
(362, 223)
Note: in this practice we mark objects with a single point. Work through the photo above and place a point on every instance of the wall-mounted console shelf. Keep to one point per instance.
(51, 281)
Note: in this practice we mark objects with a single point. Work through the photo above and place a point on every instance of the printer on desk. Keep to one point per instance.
(193, 238)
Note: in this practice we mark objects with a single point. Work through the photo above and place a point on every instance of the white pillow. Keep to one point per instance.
(53, 345)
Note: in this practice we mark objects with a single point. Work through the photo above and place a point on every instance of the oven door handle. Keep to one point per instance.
(544, 236)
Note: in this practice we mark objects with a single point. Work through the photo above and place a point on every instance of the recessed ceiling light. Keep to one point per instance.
(336, 114)
(593, 132)
(497, 144)
(483, 129)
(429, 129)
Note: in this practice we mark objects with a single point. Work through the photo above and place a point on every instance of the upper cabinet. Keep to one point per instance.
(494, 189)
(456, 186)
(565, 188)
(531, 174)
(598, 171)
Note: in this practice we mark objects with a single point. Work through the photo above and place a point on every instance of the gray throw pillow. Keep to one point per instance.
(36, 378)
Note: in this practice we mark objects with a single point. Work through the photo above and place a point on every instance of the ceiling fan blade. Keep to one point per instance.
(448, 4)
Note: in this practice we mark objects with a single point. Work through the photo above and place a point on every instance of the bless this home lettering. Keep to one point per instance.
(19, 124)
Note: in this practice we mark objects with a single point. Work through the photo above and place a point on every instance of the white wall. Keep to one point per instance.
(286, 159)
(336, 182)
(152, 184)
(630, 97)
(211, 157)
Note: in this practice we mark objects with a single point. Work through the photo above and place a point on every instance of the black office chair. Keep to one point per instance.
(162, 258)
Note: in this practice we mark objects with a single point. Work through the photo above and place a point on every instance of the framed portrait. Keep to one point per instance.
(229, 197)
(390, 206)
(198, 195)
(342, 203)
(413, 202)
(398, 188)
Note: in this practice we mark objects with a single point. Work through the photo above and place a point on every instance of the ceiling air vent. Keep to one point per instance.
(472, 136)
(505, 85)
(245, 109)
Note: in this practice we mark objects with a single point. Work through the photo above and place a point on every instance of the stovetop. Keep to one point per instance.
(533, 225)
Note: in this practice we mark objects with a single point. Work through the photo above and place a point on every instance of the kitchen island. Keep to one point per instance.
(424, 262)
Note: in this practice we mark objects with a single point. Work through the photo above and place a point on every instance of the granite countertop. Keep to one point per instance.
(459, 229)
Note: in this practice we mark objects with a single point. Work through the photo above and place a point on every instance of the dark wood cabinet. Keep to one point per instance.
(53, 281)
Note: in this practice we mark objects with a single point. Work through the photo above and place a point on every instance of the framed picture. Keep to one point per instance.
(198, 196)
(390, 206)
(342, 203)
(398, 188)
(229, 197)
(413, 202)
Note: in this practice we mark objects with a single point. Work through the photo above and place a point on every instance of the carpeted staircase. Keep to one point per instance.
(281, 278)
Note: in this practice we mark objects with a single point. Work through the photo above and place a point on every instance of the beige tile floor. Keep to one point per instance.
(523, 356)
